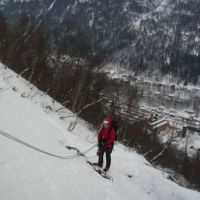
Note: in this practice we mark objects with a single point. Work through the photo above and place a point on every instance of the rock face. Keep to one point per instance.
(149, 37)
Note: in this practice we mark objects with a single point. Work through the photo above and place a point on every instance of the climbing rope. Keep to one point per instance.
(45, 152)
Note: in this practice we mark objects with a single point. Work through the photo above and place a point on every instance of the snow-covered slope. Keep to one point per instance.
(27, 174)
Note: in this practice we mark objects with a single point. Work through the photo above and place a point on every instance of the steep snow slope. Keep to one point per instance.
(29, 174)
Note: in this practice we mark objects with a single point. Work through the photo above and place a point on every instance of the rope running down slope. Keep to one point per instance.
(42, 151)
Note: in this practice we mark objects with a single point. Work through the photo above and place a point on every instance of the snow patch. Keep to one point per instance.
(52, 5)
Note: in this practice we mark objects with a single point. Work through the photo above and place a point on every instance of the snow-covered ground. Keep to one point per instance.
(27, 174)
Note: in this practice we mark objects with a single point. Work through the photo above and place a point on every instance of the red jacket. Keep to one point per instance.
(107, 135)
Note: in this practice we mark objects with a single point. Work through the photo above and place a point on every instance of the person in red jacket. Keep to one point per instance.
(106, 138)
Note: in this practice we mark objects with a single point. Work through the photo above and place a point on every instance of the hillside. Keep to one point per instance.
(152, 38)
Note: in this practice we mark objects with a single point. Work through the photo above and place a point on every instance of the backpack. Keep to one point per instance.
(115, 126)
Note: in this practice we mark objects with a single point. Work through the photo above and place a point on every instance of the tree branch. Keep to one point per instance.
(73, 124)
(158, 155)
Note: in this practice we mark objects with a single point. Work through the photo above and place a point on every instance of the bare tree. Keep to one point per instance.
(4, 34)
(73, 123)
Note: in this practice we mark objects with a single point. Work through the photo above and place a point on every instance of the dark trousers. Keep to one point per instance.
(108, 158)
